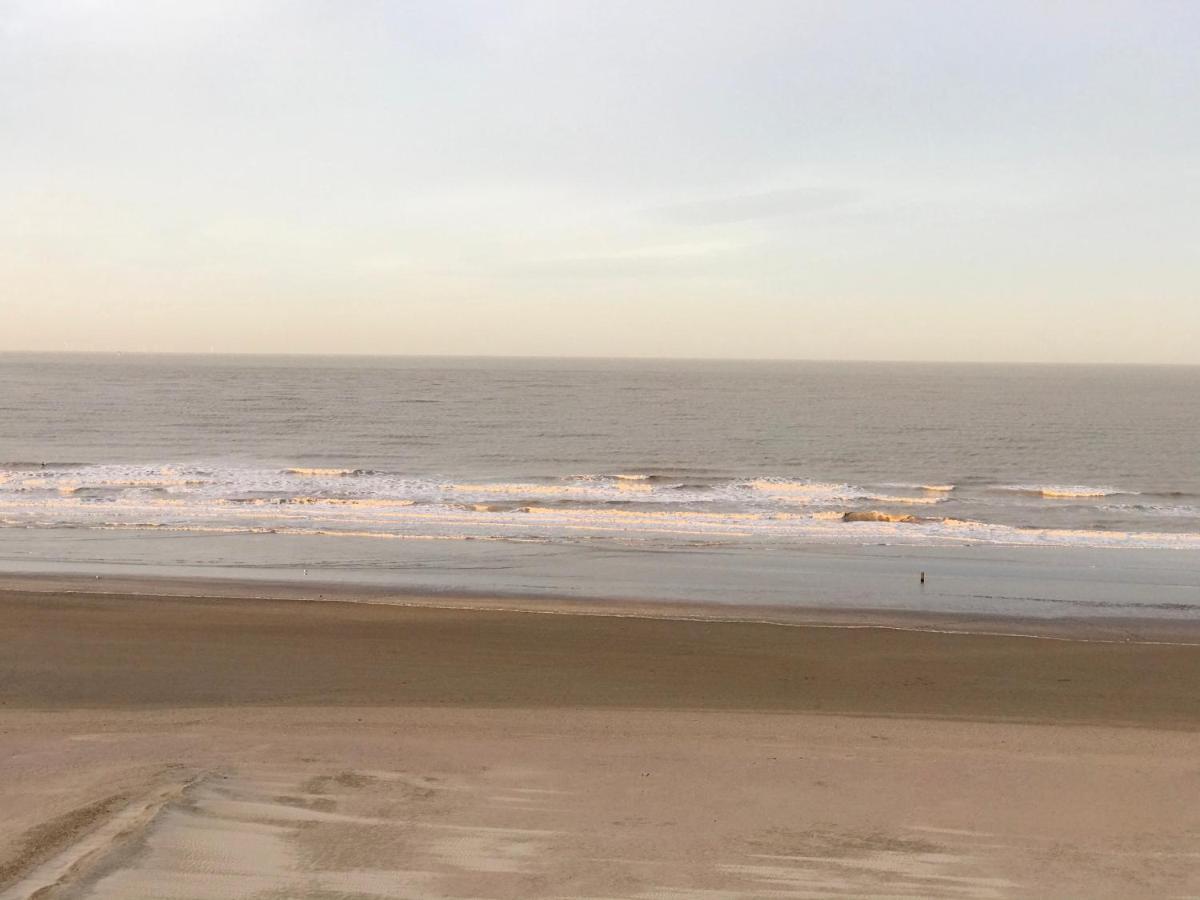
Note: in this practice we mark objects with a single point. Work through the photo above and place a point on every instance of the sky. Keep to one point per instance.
(993, 181)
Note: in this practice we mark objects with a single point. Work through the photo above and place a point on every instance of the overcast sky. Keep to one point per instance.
(883, 180)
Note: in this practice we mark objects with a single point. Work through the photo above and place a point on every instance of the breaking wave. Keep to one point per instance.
(325, 473)
(651, 505)
(1062, 492)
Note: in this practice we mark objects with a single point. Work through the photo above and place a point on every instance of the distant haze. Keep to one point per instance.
(882, 180)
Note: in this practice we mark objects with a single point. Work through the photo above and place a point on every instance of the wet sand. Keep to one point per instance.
(79, 650)
(161, 746)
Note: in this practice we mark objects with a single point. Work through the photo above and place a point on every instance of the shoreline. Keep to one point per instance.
(1088, 629)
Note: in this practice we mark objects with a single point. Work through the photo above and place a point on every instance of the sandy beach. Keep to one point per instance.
(599, 451)
(165, 746)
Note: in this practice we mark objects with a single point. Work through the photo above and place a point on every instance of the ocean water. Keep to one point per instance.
(102, 458)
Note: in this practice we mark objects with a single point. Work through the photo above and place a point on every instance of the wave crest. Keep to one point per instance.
(317, 472)
(1061, 491)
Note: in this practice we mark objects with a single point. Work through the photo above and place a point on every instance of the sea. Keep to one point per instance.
(1022, 490)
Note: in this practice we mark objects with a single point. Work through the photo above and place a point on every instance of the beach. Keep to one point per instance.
(599, 451)
(163, 745)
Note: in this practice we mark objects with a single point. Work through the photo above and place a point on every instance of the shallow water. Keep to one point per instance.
(560, 462)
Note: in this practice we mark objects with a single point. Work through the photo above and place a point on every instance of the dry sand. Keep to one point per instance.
(201, 748)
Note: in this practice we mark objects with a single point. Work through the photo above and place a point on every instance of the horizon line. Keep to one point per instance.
(590, 358)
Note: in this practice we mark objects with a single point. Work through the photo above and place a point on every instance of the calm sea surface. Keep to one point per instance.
(680, 457)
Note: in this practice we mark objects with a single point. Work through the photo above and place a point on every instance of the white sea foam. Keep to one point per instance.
(598, 489)
(1060, 491)
(825, 493)
(810, 492)
(319, 473)
(915, 486)
(1156, 509)
(554, 526)
(903, 501)
(221, 497)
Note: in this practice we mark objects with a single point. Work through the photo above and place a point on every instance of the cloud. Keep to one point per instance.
(764, 205)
